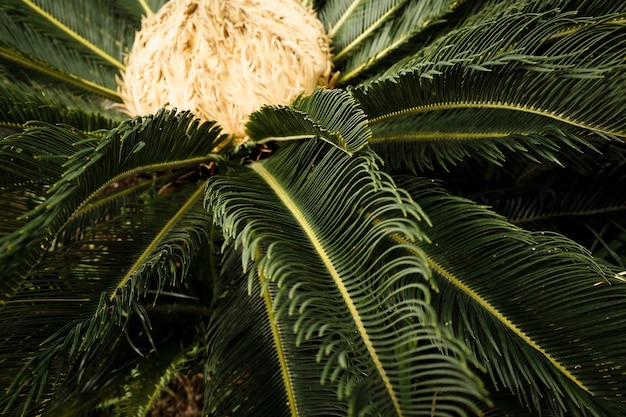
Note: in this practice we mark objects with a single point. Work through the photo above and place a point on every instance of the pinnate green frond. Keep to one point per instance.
(542, 314)
(243, 366)
(588, 206)
(22, 46)
(330, 115)
(566, 194)
(580, 198)
(358, 18)
(91, 28)
(517, 81)
(581, 7)
(372, 30)
(89, 285)
(66, 227)
(28, 101)
(88, 165)
(319, 227)
(449, 138)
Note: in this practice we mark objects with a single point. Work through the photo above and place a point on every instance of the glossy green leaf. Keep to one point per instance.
(536, 307)
(519, 82)
(360, 305)
(330, 115)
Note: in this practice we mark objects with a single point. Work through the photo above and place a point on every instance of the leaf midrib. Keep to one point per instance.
(491, 105)
(292, 207)
(146, 7)
(366, 33)
(344, 18)
(72, 79)
(69, 32)
(436, 136)
(345, 77)
(168, 226)
(504, 320)
(278, 345)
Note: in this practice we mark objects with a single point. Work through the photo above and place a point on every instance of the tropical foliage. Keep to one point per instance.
(441, 234)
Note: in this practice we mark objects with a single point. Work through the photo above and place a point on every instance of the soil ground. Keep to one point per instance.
(184, 398)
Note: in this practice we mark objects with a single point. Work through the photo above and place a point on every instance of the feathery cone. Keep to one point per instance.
(225, 59)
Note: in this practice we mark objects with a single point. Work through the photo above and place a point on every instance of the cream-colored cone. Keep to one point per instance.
(224, 59)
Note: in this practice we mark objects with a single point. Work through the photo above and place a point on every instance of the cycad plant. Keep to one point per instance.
(429, 222)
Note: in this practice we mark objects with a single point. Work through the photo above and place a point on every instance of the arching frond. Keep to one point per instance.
(448, 138)
(92, 29)
(580, 199)
(85, 233)
(244, 363)
(391, 31)
(22, 46)
(316, 225)
(358, 20)
(65, 168)
(589, 207)
(330, 115)
(334, 294)
(89, 285)
(536, 307)
(527, 73)
(28, 101)
(369, 31)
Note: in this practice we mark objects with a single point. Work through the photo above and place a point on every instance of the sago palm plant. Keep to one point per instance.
(341, 207)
